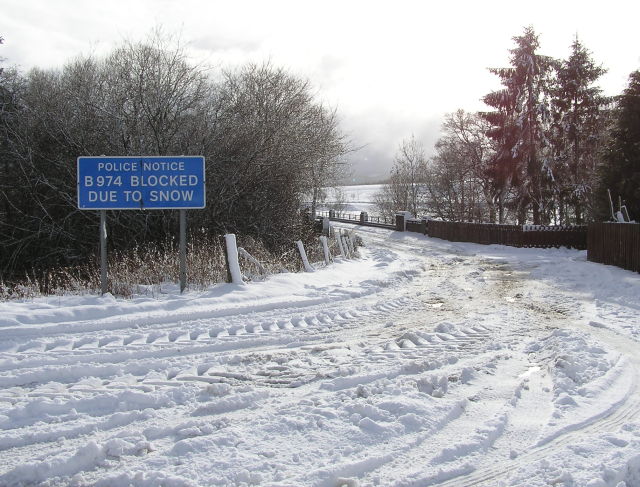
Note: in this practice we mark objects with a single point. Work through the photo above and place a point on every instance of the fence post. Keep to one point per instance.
(326, 224)
(345, 244)
(400, 222)
(325, 249)
(231, 254)
(424, 226)
(303, 255)
(350, 244)
(340, 246)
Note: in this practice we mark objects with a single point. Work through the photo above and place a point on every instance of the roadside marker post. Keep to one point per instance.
(303, 255)
(325, 249)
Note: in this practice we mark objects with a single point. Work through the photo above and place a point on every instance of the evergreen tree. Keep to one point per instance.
(578, 128)
(621, 169)
(503, 169)
(520, 124)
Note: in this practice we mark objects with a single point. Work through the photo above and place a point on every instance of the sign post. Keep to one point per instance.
(183, 250)
(141, 183)
(103, 252)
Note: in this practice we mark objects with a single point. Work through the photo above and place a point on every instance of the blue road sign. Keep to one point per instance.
(147, 182)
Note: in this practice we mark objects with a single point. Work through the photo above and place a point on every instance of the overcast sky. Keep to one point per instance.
(391, 68)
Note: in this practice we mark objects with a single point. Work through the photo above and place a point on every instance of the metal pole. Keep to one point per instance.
(103, 252)
(183, 250)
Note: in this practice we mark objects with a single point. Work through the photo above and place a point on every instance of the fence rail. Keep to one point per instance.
(615, 244)
(360, 218)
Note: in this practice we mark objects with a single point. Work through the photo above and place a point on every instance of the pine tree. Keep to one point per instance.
(578, 128)
(503, 169)
(621, 169)
(520, 124)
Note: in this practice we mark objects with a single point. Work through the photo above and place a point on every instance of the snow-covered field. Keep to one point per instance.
(355, 198)
(422, 363)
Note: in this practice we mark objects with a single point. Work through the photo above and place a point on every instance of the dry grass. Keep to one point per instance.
(153, 268)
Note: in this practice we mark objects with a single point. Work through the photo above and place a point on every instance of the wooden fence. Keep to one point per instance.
(512, 235)
(607, 243)
(615, 244)
(418, 226)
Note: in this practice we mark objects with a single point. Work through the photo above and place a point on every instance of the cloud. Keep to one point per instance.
(379, 134)
(390, 69)
(216, 42)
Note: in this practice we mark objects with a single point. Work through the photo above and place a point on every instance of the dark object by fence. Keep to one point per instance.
(512, 235)
(615, 244)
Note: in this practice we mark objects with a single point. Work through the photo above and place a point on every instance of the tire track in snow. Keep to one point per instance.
(464, 473)
(409, 445)
(624, 412)
(320, 351)
(199, 337)
(78, 424)
(613, 418)
(176, 378)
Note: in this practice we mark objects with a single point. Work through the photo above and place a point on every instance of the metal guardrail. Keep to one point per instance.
(360, 218)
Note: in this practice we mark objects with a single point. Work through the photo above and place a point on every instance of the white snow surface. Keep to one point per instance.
(354, 198)
(423, 362)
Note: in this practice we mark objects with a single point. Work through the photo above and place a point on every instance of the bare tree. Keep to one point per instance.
(266, 140)
(274, 144)
(406, 188)
(328, 165)
(458, 182)
(155, 96)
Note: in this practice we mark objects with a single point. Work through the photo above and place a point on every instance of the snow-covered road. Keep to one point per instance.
(422, 363)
